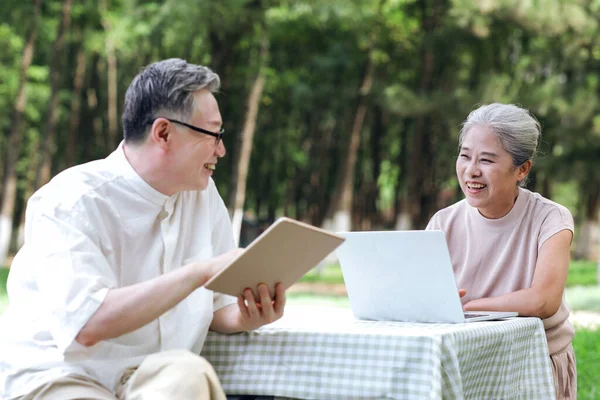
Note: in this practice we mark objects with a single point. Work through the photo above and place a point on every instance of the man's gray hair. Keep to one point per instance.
(516, 128)
(165, 88)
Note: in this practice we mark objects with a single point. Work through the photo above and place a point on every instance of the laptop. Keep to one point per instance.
(403, 276)
(284, 252)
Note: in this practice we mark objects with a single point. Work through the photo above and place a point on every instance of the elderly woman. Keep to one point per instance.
(509, 246)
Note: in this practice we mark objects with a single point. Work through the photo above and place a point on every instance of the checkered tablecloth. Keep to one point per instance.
(324, 353)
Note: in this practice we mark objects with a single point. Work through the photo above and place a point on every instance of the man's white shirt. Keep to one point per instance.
(93, 228)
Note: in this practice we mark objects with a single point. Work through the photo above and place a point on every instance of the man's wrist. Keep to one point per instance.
(200, 272)
(244, 324)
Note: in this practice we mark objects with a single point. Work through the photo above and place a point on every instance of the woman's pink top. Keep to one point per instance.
(492, 257)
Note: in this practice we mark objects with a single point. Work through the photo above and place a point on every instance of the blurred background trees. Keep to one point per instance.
(344, 114)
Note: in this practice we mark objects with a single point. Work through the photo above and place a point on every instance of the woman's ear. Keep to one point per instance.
(523, 170)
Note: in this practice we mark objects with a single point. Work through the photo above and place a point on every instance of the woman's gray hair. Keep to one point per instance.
(516, 128)
(164, 88)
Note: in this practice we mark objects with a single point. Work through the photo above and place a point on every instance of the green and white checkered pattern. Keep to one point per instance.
(324, 353)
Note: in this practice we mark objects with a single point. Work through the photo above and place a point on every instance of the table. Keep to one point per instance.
(324, 353)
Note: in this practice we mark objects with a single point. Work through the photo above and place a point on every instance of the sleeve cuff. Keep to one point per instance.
(221, 300)
(547, 236)
(64, 334)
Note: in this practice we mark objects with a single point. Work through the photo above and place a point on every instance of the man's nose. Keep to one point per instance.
(220, 149)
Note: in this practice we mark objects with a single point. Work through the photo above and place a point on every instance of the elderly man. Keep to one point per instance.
(106, 295)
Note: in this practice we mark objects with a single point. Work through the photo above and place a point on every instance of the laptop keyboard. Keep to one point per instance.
(474, 315)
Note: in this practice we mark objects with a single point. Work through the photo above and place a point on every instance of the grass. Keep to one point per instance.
(3, 296)
(581, 273)
(582, 291)
(319, 300)
(587, 352)
(584, 298)
(329, 274)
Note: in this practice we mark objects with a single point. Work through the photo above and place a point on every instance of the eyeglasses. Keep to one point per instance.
(218, 135)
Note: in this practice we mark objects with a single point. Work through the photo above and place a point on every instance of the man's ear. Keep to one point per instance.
(161, 131)
(524, 170)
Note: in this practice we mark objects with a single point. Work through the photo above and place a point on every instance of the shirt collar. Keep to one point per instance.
(119, 160)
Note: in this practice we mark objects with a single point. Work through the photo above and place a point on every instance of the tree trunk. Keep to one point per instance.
(44, 169)
(318, 181)
(29, 185)
(532, 181)
(587, 240)
(589, 235)
(403, 221)
(76, 106)
(342, 208)
(419, 164)
(113, 124)
(372, 216)
(402, 216)
(21, 230)
(14, 140)
(546, 187)
(94, 146)
(342, 213)
(598, 257)
(246, 149)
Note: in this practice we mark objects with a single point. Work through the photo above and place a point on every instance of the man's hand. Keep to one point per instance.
(266, 310)
(251, 312)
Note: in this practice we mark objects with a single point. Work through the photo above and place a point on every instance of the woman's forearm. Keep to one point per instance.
(527, 302)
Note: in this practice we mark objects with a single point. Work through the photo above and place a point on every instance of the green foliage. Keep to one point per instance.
(432, 63)
(11, 44)
(582, 273)
(3, 296)
(587, 353)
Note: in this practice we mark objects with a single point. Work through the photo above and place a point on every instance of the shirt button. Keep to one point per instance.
(163, 214)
